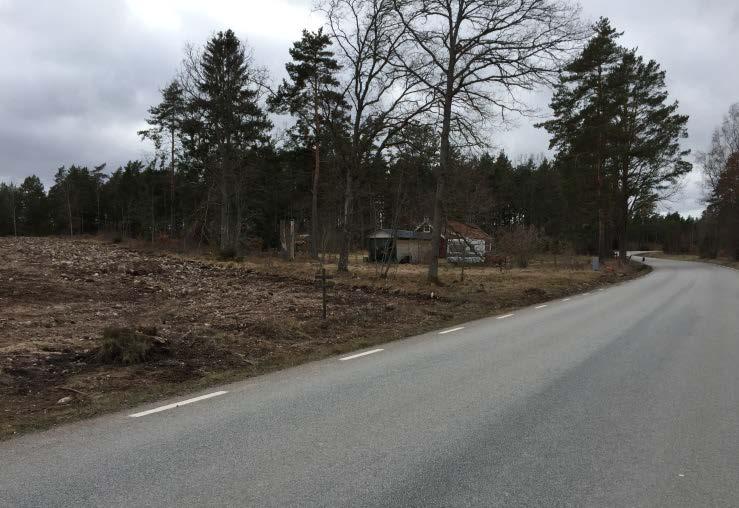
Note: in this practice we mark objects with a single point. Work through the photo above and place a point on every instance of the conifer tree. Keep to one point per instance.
(312, 97)
(166, 118)
(230, 125)
(583, 113)
(647, 156)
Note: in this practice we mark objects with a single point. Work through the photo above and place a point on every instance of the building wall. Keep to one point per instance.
(419, 251)
(468, 250)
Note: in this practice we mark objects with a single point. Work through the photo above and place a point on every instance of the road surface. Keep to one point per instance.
(622, 397)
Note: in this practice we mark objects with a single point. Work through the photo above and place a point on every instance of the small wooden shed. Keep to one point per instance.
(400, 245)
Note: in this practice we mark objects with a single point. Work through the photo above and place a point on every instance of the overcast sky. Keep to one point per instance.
(77, 76)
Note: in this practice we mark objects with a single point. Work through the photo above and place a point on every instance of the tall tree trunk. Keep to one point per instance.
(314, 203)
(599, 172)
(444, 153)
(624, 215)
(622, 229)
(393, 245)
(153, 217)
(237, 223)
(97, 214)
(433, 275)
(172, 186)
(225, 230)
(601, 225)
(12, 206)
(69, 211)
(444, 156)
(343, 264)
(316, 175)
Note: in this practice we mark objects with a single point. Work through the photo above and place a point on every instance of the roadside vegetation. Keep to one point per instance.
(90, 326)
(722, 261)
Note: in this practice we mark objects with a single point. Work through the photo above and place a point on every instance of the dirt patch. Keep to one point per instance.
(217, 321)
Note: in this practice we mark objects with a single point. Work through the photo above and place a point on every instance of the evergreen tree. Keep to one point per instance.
(724, 206)
(312, 97)
(646, 148)
(33, 207)
(166, 120)
(230, 127)
(8, 209)
(582, 126)
(503, 187)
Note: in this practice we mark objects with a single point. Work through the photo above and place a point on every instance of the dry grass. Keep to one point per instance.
(694, 257)
(219, 321)
(411, 279)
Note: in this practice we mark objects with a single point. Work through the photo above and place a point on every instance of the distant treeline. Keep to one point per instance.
(390, 126)
(134, 201)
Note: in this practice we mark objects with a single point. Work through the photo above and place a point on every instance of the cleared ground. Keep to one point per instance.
(215, 321)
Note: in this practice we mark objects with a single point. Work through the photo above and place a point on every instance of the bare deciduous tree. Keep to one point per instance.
(724, 143)
(369, 37)
(473, 57)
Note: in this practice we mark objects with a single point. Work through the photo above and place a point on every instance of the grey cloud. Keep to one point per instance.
(77, 76)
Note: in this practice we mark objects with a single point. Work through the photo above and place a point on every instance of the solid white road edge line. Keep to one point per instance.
(452, 330)
(541, 306)
(360, 354)
(567, 299)
(177, 404)
(505, 317)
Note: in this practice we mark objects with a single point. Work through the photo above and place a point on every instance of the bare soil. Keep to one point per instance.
(215, 321)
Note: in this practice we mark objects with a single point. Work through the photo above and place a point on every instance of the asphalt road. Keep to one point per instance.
(622, 397)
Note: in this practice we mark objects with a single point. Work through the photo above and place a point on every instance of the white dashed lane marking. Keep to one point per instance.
(358, 355)
(452, 330)
(177, 404)
(351, 357)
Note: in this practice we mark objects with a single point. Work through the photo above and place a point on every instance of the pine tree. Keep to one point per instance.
(646, 148)
(312, 97)
(583, 111)
(33, 206)
(166, 119)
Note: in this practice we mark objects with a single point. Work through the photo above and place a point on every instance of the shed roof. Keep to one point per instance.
(470, 231)
(401, 234)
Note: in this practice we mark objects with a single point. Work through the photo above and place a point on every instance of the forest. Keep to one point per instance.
(394, 106)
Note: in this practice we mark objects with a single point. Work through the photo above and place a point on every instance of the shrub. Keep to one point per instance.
(521, 242)
(128, 346)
